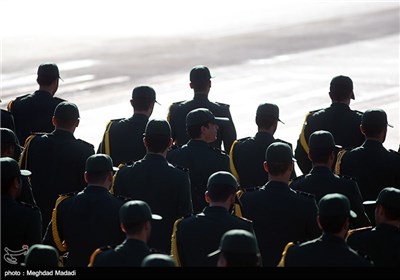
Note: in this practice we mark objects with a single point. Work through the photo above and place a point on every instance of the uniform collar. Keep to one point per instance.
(320, 170)
(340, 106)
(152, 156)
(372, 144)
(197, 143)
(264, 136)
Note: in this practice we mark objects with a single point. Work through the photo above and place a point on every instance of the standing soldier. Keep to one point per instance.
(200, 82)
(123, 138)
(198, 156)
(33, 112)
(247, 154)
(56, 159)
(338, 119)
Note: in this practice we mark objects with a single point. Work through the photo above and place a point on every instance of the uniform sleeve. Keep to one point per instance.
(34, 228)
(185, 197)
(312, 228)
(362, 219)
(229, 132)
(26, 192)
(171, 120)
(301, 152)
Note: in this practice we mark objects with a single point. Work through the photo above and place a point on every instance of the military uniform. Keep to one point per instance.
(33, 113)
(208, 226)
(123, 139)
(338, 119)
(325, 251)
(280, 215)
(202, 160)
(21, 224)
(163, 186)
(321, 181)
(83, 222)
(177, 119)
(7, 120)
(57, 161)
(381, 244)
(128, 254)
(247, 158)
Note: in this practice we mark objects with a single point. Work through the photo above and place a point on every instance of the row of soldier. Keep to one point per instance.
(57, 168)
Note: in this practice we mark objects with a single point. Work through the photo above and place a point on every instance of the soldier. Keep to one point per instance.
(84, 221)
(247, 154)
(321, 180)
(330, 249)
(238, 248)
(56, 159)
(158, 260)
(33, 112)
(200, 83)
(279, 214)
(21, 223)
(164, 187)
(208, 226)
(41, 256)
(338, 119)
(123, 138)
(7, 120)
(135, 217)
(198, 156)
(381, 243)
(11, 148)
(371, 164)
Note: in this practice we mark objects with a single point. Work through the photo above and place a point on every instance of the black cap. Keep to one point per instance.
(322, 140)
(222, 178)
(66, 111)
(158, 127)
(98, 163)
(8, 136)
(158, 260)
(389, 197)
(374, 118)
(279, 152)
(237, 241)
(335, 205)
(49, 70)
(135, 212)
(144, 93)
(202, 116)
(40, 255)
(268, 110)
(342, 87)
(10, 168)
(200, 73)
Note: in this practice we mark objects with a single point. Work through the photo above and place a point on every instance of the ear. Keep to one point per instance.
(190, 84)
(77, 122)
(207, 197)
(85, 177)
(265, 166)
(132, 102)
(319, 224)
(54, 121)
(121, 225)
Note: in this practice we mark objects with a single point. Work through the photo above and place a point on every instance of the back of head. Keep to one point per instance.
(143, 97)
(389, 199)
(341, 88)
(221, 185)
(158, 260)
(267, 115)
(41, 256)
(47, 73)
(333, 211)
(9, 171)
(321, 145)
(158, 135)
(66, 114)
(200, 77)
(373, 122)
(279, 157)
(9, 142)
(134, 213)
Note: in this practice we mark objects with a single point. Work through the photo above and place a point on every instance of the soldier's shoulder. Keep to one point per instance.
(357, 231)
(67, 195)
(29, 206)
(58, 99)
(297, 179)
(394, 153)
(180, 167)
(305, 195)
(283, 141)
(218, 151)
(244, 139)
(18, 98)
(84, 143)
(359, 113)
(243, 219)
(222, 104)
(347, 178)
(121, 198)
(176, 104)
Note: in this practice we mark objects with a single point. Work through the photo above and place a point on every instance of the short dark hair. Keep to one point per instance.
(200, 85)
(194, 131)
(134, 228)
(157, 143)
(240, 260)
(332, 224)
(265, 122)
(373, 131)
(220, 193)
(45, 80)
(391, 213)
(6, 184)
(277, 169)
(65, 123)
(142, 104)
(97, 177)
(320, 155)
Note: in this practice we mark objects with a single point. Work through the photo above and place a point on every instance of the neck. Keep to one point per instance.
(226, 204)
(48, 89)
(283, 179)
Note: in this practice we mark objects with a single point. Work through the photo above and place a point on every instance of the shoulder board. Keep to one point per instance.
(283, 141)
(124, 164)
(29, 205)
(222, 104)
(22, 96)
(188, 215)
(348, 177)
(394, 152)
(97, 252)
(116, 120)
(59, 99)
(358, 112)
(251, 189)
(86, 143)
(244, 219)
(309, 195)
(121, 197)
(69, 194)
(298, 178)
(314, 111)
(181, 167)
(105, 248)
(358, 230)
(243, 139)
(218, 150)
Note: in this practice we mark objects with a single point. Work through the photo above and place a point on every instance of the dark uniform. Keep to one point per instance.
(163, 186)
(123, 139)
(381, 244)
(33, 113)
(280, 215)
(202, 160)
(338, 119)
(247, 158)
(206, 229)
(177, 119)
(21, 226)
(83, 222)
(325, 251)
(128, 254)
(7, 120)
(321, 181)
(57, 161)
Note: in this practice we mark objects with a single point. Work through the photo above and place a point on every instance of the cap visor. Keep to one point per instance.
(369, 202)
(219, 119)
(214, 253)
(156, 217)
(115, 169)
(157, 102)
(389, 125)
(281, 121)
(338, 147)
(25, 172)
(353, 214)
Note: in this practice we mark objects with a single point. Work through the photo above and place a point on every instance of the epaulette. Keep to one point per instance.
(358, 230)
(314, 111)
(29, 205)
(395, 152)
(252, 189)
(181, 167)
(124, 164)
(69, 194)
(174, 147)
(244, 139)
(309, 195)
(59, 99)
(121, 197)
(97, 252)
(188, 215)
(86, 143)
(298, 178)
(22, 96)
(116, 120)
(222, 104)
(218, 150)
(244, 219)
(348, 177)
(358, 112)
